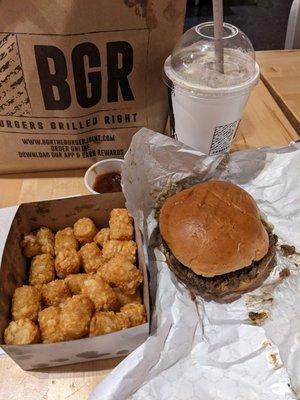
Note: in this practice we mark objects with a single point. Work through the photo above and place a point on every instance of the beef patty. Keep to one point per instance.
(228, 287)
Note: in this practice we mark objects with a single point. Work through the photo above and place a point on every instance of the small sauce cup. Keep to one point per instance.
(101, 168)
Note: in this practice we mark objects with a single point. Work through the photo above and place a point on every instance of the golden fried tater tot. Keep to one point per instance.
(65, 239)
(41, 269)
(85, 230)
(76, 316)
(75, 282)
(135, 312)
(102, 236)
(125, 248)
(45, 238)
(107, 321)
(26, 303)
(121, 273)
(127, 298)
(92, 258)
(23, 331)
(120, 224)
(30, 245)
(56, 292)
(67, 262)
(100, 293)
(49, 322)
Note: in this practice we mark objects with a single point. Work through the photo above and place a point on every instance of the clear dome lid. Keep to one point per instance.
(192, 64)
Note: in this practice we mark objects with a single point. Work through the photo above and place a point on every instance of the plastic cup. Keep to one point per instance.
(101, 167)
(205, 106)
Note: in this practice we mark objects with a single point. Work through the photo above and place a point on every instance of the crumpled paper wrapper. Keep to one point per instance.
(205, 350)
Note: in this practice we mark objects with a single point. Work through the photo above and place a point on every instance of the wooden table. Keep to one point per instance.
(280, 71)
(263, 124)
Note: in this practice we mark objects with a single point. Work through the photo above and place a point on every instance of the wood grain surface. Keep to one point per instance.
(70, 382)
(263, 124)
(280, 71)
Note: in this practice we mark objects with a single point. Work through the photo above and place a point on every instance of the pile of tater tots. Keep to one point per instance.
(82, 282)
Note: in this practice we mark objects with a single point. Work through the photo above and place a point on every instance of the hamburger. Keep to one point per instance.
(215, 240)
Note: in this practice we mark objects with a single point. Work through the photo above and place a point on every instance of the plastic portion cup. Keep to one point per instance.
(101, 167)
(205, 105)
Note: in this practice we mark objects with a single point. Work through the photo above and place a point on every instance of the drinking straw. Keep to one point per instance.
(218, 34)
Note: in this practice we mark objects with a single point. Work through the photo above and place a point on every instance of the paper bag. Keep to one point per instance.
(79, 78)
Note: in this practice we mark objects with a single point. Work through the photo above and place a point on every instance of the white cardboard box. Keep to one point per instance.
(57, 214)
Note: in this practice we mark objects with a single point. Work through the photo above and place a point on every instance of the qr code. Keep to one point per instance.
(222, 138)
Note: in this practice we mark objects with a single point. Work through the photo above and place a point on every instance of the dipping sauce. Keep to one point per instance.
(108, 183)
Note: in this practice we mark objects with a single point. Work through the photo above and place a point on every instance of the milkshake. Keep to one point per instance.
(206, 105)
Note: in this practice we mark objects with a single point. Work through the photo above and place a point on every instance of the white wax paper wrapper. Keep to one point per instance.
(205, 350)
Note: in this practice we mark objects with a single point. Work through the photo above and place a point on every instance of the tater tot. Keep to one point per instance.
(135, 312)
(100, 293)
(26, 303)
(127, 298)
(107, 321)
(56, 292)
(45, 238)
(85, 230)
(91, 257)
(76, 316)
(49, 322)
(41, 269)
(23, 331)
(102, 236)
(125, 248)
(120, 224)
(65, 239)
(121, 273)
(67, 262)
(30, 245)
(75, 282)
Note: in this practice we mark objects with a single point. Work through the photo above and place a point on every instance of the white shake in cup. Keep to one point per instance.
(206, 105)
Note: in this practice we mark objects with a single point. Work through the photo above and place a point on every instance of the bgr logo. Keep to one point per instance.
(86, 65)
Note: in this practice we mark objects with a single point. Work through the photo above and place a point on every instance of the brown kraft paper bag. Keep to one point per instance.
(79, 78)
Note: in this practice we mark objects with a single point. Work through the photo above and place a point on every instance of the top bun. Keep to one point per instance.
(213, 228)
